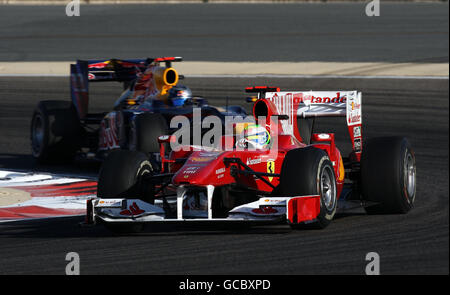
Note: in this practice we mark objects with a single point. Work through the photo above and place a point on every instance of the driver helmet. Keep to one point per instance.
(179, 95)
(254, 136)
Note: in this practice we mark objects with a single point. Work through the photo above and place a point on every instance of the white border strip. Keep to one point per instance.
(319, 77)
(248, 76)
(39, 218)
(33, 75)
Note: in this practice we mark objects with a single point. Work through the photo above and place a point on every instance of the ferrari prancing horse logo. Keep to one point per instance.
(270, 168)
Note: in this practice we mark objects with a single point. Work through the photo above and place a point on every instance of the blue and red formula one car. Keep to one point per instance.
(64, 130)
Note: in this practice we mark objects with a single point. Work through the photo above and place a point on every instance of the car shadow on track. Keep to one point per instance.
(69, 227)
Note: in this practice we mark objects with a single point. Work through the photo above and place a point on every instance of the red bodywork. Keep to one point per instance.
(204, 168)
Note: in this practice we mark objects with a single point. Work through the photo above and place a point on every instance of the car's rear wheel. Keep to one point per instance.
(55, 132)
(388, 175)
(309, 171)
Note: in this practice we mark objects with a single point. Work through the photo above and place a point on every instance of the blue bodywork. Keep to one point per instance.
(114, 127)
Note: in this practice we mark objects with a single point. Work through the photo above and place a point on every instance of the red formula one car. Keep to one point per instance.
(271, 170)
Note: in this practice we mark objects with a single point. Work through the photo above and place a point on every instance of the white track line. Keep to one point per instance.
(272, 76)
(33, 75)
(319, 77)
(38, 218)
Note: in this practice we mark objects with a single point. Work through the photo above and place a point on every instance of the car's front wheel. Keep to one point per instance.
(146, 128)
(123, 175)
(309, 171)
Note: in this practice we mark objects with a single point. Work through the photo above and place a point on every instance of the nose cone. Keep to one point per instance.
(203, 168)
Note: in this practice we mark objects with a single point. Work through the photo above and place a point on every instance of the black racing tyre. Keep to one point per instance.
(55, 132)
(147, 128)
(388, 175)
(309, 171)
(122, 175)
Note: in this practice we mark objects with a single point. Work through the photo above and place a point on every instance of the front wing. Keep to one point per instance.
(291, 210)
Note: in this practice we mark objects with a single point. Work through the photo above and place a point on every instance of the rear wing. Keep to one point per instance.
(312, 104)
(120, 70)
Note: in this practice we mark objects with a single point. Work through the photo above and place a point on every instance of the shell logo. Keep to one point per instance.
(341, 170)
(201, 159)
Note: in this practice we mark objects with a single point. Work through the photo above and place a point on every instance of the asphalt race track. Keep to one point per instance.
(412, 32)
(414, 243)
